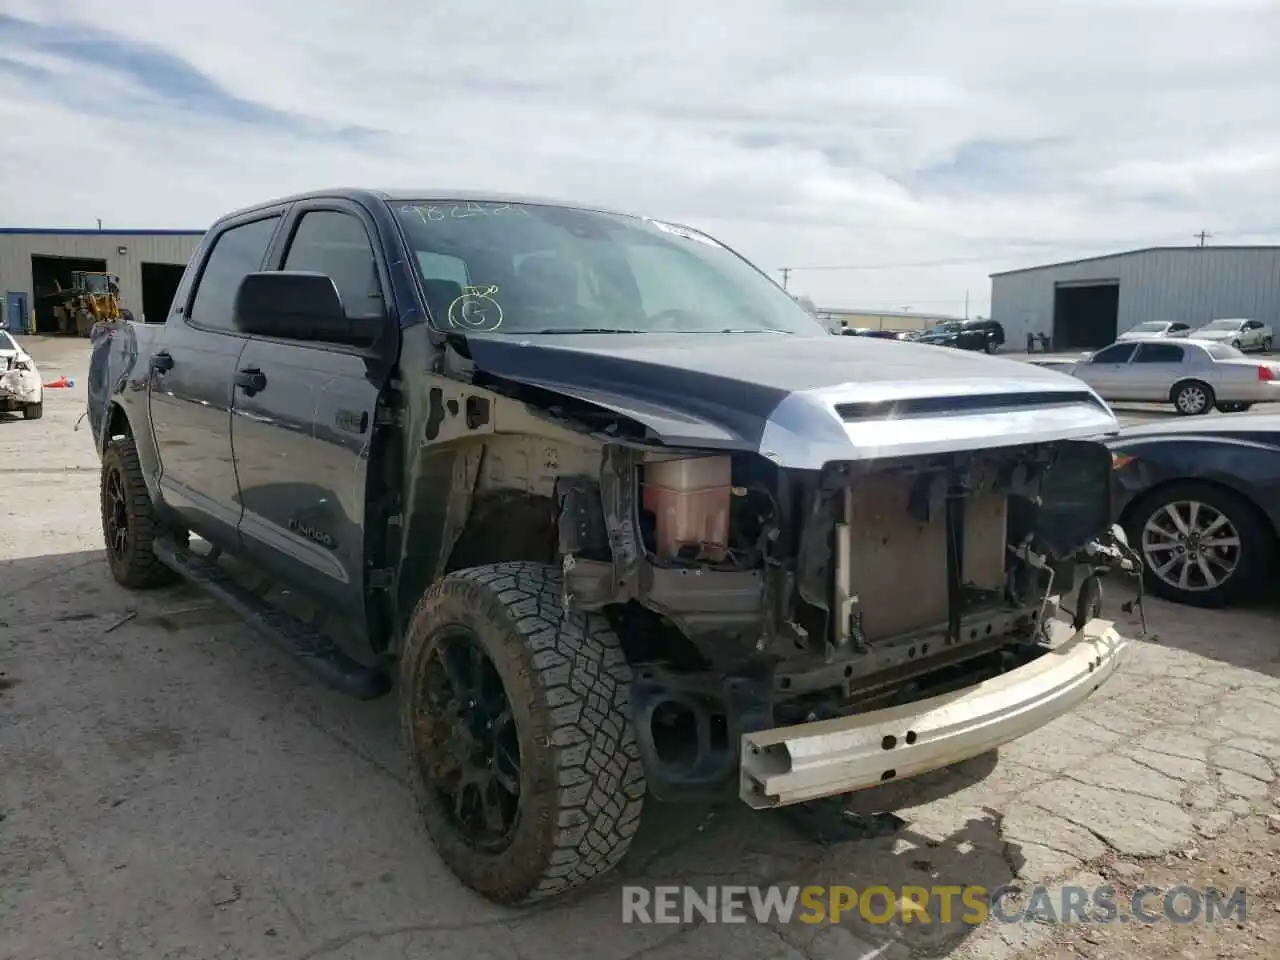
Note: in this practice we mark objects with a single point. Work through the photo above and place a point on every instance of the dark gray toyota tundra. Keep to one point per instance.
(619, 518)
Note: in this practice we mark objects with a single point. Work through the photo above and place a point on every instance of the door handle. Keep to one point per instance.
(161, 362)
(251, 380)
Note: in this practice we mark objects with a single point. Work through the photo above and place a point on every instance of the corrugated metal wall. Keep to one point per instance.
(1192, 284)
(16, 250)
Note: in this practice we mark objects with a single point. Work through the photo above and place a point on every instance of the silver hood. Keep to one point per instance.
(802, 401)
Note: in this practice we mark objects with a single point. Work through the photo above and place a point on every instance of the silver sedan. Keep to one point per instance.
(1194, 376)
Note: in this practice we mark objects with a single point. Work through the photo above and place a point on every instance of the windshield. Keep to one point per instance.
(1221, 351)
(1224, 325)
(6, 342)
(1153, 327)
(526, 268)
(95, 284)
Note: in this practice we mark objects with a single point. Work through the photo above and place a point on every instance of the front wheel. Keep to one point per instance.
(1236, 344)
(515, 715)
(992, 346)
(1201, 544)
(1266, 344)
(1193, 398)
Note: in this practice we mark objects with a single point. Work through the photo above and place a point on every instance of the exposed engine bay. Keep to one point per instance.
(751, 596)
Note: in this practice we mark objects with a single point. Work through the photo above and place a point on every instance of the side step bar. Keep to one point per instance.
(313, 649)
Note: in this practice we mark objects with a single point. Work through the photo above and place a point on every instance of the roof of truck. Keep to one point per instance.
(370, 195)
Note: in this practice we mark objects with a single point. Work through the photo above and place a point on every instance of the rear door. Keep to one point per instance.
(301, 433)
(1155, 368)
(1107, 371)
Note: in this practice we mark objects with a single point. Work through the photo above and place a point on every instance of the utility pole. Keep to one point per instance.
(966, 304)
(786, 275)
(1202, 236)
(99, 224)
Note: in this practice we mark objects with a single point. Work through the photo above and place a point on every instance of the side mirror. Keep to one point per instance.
(298, 305)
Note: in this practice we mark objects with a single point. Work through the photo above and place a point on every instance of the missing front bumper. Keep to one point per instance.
(808, 761)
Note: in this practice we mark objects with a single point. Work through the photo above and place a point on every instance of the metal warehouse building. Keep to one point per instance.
(1088, 303)
(36, 262)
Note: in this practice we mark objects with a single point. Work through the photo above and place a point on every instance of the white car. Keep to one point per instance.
(1240, 333)
(1156, 328)
(20, 384)
(1195, 376)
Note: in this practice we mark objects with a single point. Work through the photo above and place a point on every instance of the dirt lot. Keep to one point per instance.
(173, 787)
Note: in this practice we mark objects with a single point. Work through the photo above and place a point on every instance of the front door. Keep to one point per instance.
(193, 367)
(1107, 371)
(303, 419)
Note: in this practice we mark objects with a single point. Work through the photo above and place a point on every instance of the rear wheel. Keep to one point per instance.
(1200, 544)
(1193, 398)
(129, 526)
(33, 411)
(1236, 344)
(1266, 344)
(515, 714)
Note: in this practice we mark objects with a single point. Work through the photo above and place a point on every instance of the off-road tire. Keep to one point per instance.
(138, 568)
(1257, 541)
(1209, 396)
(568, 682)
(33, 411)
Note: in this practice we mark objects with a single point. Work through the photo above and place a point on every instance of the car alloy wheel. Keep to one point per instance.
(1192, 399)
(1191, 546)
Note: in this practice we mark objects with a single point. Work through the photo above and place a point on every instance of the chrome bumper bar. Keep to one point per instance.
(808, 761)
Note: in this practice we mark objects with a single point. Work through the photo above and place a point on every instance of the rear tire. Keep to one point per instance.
(1193, 398)
(1240, 568)
(550, 760)
(129, 525)
(33, 411)
(1236, 344)
(1266, 345)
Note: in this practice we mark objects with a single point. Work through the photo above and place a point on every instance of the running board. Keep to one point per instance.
(313, 649)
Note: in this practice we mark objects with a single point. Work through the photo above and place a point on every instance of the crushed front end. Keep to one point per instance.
(871, 601)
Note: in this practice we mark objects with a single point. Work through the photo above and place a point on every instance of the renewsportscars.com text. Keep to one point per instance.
(937, 904)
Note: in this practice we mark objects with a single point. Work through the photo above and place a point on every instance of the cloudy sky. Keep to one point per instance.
(925, 144)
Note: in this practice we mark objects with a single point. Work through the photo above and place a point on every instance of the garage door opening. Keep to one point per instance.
(48, 276)
(1085, 316)
(159, 284)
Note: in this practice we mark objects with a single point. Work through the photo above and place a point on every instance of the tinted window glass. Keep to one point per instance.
(6, 342)
(337, 245)
(1158, 353)
(236, 252)
(1118, 353)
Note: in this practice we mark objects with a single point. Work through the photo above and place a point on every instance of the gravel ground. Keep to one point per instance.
(173, 787)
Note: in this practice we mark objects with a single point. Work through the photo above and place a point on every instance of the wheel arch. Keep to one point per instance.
(1184, 381)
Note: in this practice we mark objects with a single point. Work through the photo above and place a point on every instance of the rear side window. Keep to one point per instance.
(337, 245)
(1159, 353)
(1119, 353)
(236, 252)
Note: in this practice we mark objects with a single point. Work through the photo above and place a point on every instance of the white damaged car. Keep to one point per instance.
(20, 384)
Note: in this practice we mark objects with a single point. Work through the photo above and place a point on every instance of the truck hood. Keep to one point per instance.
(802, 401)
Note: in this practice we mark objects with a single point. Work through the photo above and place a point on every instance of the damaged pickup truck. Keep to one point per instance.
(623, 522)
